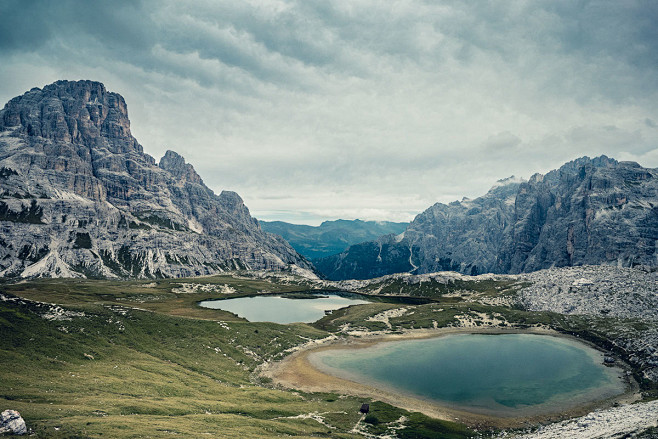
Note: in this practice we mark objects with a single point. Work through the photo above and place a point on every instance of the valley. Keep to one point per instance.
(106, 256)
(140, 357)
(329, 219)
(330, 237)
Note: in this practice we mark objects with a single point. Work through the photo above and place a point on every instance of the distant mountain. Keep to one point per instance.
(79, 197)
(330, 237)
(589, 211)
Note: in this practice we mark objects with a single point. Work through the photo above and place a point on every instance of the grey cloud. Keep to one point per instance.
(623, 30)
(290, 33)
(368, 100)
(20, 31)
(347, 38)
(27, 25)
(502, 142)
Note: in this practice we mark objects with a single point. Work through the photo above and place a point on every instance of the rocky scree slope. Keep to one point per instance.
(79, 197)
(589, 211)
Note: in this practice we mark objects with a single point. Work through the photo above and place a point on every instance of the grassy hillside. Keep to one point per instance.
(140, 359)
(95, 366)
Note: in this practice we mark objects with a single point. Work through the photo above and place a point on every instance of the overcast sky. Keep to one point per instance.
(316, 110)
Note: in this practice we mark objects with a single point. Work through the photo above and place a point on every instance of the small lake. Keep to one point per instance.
(505, 375)
(282, 309)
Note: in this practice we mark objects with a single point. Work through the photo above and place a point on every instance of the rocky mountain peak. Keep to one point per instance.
(601, 161)
(506, 186)
(588, 211)
(79, 197)
(78, 112)
(577, 168)
(231, 200)
(175, 164)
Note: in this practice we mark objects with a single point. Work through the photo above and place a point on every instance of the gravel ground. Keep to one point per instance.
(611, 423)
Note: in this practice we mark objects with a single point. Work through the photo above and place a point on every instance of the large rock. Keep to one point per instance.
(590, 211)
(11, 422)
(79, 197)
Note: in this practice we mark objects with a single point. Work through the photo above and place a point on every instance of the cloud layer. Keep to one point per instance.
(376, 110)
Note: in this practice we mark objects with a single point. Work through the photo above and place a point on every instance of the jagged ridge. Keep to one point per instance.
(590, 211)
(79, 197)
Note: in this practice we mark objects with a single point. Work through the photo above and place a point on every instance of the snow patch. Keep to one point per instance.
(194, 225)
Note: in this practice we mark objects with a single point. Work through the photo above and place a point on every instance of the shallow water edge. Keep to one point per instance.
(297, 372)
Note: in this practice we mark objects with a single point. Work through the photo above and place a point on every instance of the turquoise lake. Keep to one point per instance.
(280, 309)
(499, 375)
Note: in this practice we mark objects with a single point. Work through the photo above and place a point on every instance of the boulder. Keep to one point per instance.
(11, 422)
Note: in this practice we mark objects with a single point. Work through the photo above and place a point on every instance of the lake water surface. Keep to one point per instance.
(281, 309)
(501, 375)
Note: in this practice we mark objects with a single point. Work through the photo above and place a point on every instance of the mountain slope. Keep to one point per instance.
(590, 211)
(79, 197)
(330, 237)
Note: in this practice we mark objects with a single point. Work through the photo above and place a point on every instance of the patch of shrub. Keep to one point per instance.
(371, 419)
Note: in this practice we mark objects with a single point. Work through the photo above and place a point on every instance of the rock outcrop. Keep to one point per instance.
(11, 422)
(590, 211)
(79, 197)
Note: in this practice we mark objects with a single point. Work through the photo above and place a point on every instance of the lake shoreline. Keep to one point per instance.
(297, 372)
(295, 307)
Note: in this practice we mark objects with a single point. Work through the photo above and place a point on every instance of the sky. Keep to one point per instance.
(315, 110)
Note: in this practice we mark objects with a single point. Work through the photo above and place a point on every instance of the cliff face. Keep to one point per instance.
(78, 196)
(596, 211)
(590, 211)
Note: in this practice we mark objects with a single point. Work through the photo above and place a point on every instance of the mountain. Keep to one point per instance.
(330, 237)
(589, 211)
(79, 197)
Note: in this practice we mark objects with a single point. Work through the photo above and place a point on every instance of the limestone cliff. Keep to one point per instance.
(79, 197)
(590, 211)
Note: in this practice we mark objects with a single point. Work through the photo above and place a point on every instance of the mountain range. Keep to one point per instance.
(330, 237)
(589, 211)
(79, 197)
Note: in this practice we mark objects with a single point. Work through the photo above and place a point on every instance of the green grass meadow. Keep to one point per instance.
(98, 367)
